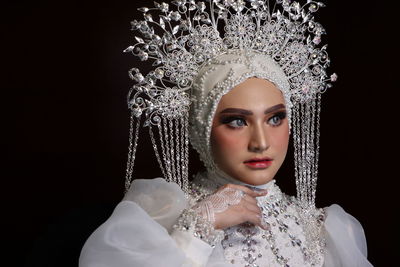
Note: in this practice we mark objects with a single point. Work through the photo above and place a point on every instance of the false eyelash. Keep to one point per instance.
(281, 115)
(229, 119)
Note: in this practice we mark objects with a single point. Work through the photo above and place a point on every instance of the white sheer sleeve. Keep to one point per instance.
(138, 231)
(162, 201)
(346, 245)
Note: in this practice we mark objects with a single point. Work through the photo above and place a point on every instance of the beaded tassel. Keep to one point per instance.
(172, 151)
(306, 149)
(133, 141)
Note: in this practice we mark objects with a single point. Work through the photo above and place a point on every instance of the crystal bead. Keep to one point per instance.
(143, 56)
(178, 2)
(135, 25)
(192, 7)
(137, 112)
(138, 77)
(128, 49)
(143, 9)
(222, 14)
(317, 40)
(139, 40)
(148, 17)
(159, 73)
(164, 7)
(313, 7)
(175, 16)
(157, 62)
(175, 29)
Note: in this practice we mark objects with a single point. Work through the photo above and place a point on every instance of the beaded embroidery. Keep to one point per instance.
(284, 244)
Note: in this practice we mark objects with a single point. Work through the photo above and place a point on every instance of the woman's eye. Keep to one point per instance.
(276, 120)
(234, 122)
(237, 123)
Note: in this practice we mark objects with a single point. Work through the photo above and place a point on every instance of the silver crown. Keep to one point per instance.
(184, 35)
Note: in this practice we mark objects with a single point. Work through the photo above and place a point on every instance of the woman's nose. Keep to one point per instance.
(258, 139)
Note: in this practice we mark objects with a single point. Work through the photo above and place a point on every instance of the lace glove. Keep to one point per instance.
(218, 202)
(201, 217)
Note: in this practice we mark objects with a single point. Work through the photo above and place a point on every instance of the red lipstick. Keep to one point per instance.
(258, 163)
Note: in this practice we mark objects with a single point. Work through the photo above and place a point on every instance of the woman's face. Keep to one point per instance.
(250, 132)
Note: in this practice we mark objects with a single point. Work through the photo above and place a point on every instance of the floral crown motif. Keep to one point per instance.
(187, 34)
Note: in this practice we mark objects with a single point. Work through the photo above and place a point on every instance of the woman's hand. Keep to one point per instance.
(231, 205)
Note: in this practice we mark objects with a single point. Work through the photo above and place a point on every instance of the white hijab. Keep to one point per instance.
(216, 79)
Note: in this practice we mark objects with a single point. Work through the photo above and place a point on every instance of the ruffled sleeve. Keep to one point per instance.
(139, 232)
(346, 245)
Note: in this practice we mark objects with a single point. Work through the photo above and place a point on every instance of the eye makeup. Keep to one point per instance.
(236, 121)
(277, 118)
(233, 121)
(230, 118)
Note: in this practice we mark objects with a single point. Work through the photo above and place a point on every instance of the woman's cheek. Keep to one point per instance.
(228, 140)
(280, 139)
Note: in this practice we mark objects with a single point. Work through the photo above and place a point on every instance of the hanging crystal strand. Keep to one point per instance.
(312, 155)
(166, 151)
(178, 152)
(155, 147)
(306, 154)
(133, 141)
(163, 149)
(312, 151)
(300, 157)
(309, 150)
(303, 155)
(304, 151)
(185, 154)
(183, 151)
(296, 140)
(317, 132)
(172, 152)
(186, 159)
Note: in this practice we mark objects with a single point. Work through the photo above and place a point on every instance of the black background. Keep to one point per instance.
(64, 81)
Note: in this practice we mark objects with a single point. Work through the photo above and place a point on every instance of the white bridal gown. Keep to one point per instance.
(139, 233)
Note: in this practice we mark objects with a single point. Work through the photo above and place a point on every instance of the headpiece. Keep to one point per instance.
(202, 49)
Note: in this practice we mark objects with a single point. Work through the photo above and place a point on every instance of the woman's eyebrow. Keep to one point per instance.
(248, 112)
(237, 111)
(274, 108)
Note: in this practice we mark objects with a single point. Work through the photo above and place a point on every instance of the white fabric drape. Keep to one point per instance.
(139, 233)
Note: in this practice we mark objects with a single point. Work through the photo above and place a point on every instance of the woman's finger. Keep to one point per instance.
(252, 207)
(250, 199)
(254, 218)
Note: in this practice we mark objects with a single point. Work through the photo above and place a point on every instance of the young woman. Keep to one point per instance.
(246, 100)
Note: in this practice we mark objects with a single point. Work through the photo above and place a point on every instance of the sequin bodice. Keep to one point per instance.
(286, 243)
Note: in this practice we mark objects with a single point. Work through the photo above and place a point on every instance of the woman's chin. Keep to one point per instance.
(255, 178)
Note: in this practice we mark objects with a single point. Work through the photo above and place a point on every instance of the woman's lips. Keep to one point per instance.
(258, 163)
